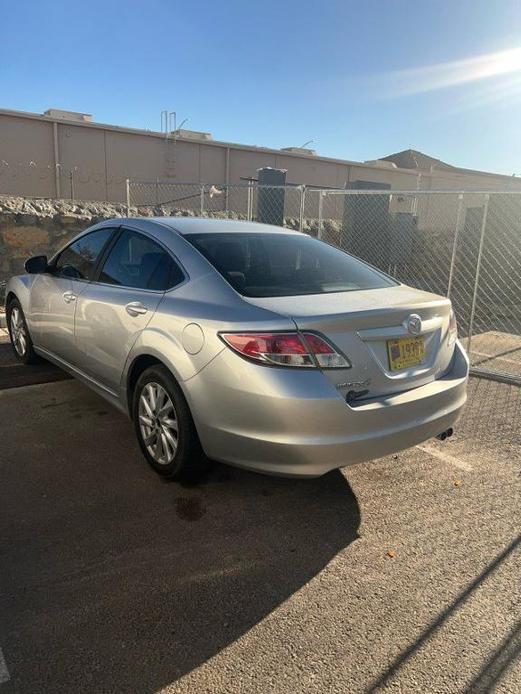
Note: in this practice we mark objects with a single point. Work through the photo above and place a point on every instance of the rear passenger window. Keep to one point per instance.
(137, 261)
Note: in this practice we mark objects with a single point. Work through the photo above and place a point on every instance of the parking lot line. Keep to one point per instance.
(445, 457)
(4, 672)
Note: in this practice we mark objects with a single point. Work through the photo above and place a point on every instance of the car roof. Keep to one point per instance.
(201, 225)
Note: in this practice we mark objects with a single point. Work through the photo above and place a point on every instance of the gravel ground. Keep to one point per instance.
(399, 575)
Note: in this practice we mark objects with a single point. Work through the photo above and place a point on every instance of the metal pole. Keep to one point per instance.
(56, 159)
(320, 201)
(250, 202)
(302, 204)
(455, 244)
(478, 269)
(498, 376)
(227, 177)
(71, 179)
(157, 191)
(127, 184)
(202, 200)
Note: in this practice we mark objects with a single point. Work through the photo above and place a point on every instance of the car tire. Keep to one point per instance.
(19, 334)
(164, 426)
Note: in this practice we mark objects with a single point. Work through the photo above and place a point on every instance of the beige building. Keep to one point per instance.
(66, 154)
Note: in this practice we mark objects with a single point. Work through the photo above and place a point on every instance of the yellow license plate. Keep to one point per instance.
(405, 352)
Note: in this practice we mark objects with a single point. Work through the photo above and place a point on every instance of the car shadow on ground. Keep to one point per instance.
(116, 580)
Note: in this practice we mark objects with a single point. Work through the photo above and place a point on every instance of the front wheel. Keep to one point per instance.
(19, 334)
(164, 426)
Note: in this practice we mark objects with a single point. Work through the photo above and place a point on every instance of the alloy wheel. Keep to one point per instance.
(18, 332)
(158, 423)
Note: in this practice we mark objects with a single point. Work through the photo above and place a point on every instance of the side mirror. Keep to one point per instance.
(36, 265)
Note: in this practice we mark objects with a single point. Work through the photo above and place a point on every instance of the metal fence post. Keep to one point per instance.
(302, 207)
(127, 185)
(455, 244)
(57, 181)
(249, 213)
(202, 200)
(320, 202)
(157, 191)
(71, 180)
(478, 269)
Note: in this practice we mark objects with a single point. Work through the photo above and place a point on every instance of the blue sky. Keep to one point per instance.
(362, 79)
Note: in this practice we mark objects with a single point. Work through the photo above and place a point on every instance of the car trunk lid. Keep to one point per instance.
(365, 325)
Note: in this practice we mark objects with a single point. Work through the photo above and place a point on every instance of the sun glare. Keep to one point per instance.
(442, 75)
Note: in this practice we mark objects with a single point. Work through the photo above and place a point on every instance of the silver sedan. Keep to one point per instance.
(244, 343)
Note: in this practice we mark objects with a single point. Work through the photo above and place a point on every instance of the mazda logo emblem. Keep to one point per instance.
(414, 324)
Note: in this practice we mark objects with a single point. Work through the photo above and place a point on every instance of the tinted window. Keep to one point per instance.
(78, 260)
(273, 264)
(136, 261)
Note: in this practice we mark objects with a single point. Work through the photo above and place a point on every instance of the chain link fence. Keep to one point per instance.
(59, 181)
(465, 245)
(282, 205)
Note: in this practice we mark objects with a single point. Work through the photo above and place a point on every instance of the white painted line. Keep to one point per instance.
(445, 457)
(4, 672)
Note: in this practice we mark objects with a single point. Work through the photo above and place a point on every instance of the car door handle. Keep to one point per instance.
(68, 297)
(136, 308)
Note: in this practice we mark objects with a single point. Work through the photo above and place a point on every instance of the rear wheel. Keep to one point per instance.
(19, 334)
(164, 426)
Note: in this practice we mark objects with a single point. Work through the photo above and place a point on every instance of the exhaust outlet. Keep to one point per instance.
(445, 434)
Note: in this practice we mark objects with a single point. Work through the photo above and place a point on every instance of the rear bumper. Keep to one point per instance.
(295, 423)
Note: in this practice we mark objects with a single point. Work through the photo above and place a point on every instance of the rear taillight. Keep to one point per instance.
(453, 328)
(286, 349)
(324, 353)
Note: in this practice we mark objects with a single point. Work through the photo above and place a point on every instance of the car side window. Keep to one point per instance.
(137, 261)
(79, 259)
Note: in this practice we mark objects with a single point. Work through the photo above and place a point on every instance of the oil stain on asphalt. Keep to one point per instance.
(189, 508)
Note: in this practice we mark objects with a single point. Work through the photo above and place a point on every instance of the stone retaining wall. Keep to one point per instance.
(34, 226)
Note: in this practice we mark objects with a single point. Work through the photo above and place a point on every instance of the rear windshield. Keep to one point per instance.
(273, 264)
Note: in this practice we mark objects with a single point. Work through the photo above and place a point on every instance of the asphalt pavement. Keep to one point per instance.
(399, 575)
(13, 374)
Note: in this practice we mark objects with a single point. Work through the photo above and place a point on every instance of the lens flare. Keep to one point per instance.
(458, 72)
